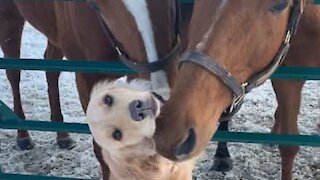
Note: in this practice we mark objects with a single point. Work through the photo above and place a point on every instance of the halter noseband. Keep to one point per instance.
(240, 89)
(160, 64)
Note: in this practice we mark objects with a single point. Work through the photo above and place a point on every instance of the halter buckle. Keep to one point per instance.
(118, 50)
(288, 37)
(237, 99)
(178, 38)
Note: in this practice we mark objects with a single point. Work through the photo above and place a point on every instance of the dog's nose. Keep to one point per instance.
(139, 110)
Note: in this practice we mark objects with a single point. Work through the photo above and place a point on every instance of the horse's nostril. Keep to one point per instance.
(186, 147)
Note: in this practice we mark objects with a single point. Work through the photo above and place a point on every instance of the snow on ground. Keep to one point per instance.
(251, 161)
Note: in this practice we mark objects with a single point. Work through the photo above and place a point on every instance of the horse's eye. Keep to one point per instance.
(108, 100)
(279, 6)
(117, 135)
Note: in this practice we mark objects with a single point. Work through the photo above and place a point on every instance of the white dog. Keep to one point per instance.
(121, 116)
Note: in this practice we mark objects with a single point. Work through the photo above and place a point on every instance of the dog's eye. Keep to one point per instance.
(117, 135)
(108, 100)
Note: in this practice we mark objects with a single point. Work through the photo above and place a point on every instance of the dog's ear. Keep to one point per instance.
(163, 92)
(159, 97)
(123, 79)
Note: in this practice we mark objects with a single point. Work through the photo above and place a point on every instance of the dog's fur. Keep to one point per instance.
(134, 156)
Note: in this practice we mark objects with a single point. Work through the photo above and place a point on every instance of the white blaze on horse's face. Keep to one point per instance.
(112, 118)
(139, 10)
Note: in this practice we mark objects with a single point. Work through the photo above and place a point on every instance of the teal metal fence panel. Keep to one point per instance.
(115, 67)
(10, 120)
(8, 176)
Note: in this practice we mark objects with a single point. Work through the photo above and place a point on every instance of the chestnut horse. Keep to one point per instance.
(96, 30)
(233, 46)
(76, 31)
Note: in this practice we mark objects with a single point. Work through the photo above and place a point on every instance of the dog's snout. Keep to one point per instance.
(186, 147)
(139, 109)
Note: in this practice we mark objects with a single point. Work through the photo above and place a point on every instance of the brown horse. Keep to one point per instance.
(138, 30)
(74, 30)
(241, 37)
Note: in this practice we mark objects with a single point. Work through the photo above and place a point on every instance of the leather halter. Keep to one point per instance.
(160, 64)
(240, 89)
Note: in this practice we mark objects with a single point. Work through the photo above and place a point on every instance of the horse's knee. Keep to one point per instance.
(52, 77)
(13, 77)
(276, 129)
(288, 151)
(11, 42)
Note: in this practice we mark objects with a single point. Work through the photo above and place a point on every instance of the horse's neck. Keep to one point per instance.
(138, 166)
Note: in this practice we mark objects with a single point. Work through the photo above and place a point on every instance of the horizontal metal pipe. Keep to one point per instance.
(288, 73)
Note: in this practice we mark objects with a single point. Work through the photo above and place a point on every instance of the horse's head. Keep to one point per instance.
(242, 37)
(122, 115)
(142, 31)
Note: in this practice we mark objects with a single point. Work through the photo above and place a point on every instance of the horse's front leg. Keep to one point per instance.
(222, 159)
(11, 26)
(64, 140)
(289, 97)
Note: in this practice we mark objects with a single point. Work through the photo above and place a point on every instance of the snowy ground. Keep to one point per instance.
(251, 161)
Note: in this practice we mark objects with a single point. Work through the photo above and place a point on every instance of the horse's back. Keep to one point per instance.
(71, 26)
(79, 25)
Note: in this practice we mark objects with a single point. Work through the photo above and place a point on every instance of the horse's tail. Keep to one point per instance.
(11, 26)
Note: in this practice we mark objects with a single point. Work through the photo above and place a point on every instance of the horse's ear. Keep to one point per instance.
(279, 6)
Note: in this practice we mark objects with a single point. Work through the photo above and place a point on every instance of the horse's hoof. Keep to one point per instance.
(222, 164)
(66, 143)
(25, 143)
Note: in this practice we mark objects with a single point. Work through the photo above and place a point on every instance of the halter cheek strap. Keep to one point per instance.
(240, 89)
(160, 64)
(153, 66)
(213, 67)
